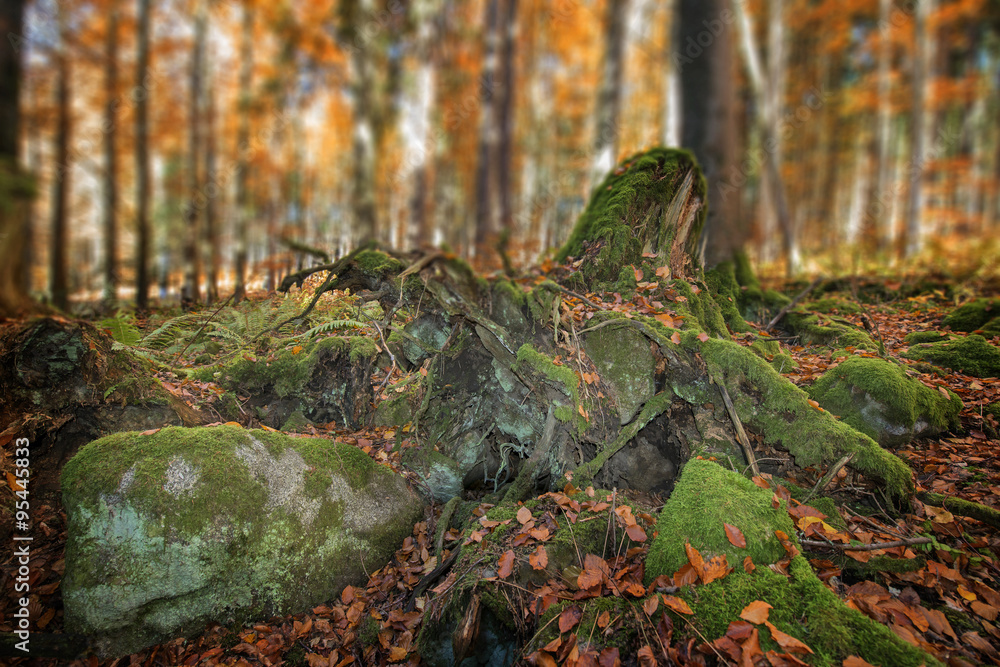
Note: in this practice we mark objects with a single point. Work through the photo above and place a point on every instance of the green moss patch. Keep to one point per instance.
(973, 315)
(706, 497)
(971, 355)
(879, 399)
(833, 305)
(813, 329)
(916, 337)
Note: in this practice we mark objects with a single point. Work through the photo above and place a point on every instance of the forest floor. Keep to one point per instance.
(947, 606)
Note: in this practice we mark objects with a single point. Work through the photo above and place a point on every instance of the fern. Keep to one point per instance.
(333, 325)
(121, 330)
(171, 332)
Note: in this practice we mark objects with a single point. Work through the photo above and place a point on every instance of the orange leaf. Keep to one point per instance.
(506, 564)
(756, 612)
(663, 272)
(748, 565)
(638, 275)
(650, 605)
(540, 559)
(646, 656)
(855, 661)
(787, 642)
(636, 533)
(569, 618)
(15, 484)
(675, 338)
(397, 654)
(735, 536)
(604, 619)
(523, 515)
(697, 562)
(703, 336)
(677, 604)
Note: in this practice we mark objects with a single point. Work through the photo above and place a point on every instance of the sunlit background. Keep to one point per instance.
(461, 122)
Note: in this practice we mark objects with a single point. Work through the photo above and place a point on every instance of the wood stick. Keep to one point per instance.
(866, 547)
(825, 479)
(740, 433)
(791, 304)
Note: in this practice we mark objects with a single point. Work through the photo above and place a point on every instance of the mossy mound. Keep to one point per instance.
(740, 296)
(971, 355)
(833, 305)
(653, 204)
(972, 316)
(706, 497)
(831, 331)
(803, 608)
(916, 337)
(879, 399)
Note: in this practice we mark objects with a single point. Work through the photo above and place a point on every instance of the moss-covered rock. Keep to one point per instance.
(706, 497)
(169, 530)
(329, 380)
(781, 413)
(971, 355)
(916, 337)
(653, 204)
(625, 362)
(831, 305)
(972, 316)
(879, 399)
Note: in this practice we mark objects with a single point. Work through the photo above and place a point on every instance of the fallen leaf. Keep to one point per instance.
(506, 566)
(677, 604)
(650, 605)
(569, 617)
(675, 338)
(523, 515)
(787, 642)
(735, 536)
(756, 612)
(540, 559)
(703, 336)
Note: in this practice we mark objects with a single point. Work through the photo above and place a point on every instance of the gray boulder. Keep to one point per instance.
(174, 528)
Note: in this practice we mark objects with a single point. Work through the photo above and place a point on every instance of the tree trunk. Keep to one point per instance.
(142, 166)
(191, 290)
(14, 285)
(919, 125)
(878, 209)
(671, 82)
(606, 131)
(59, 240)
(486, 162)
(708, 120)
(211, 191)
(505, 110)
(242, 156)
(111, 159)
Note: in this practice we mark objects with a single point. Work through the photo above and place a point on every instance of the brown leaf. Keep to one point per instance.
(787, 642)
(609, 657)
(677, 604)
(756, 612)
(855, 661)
(636, 533)
(569, 617)
(604, 619)
(703, 336)
(523, 515)
(675, 338)
(715, 568)
(540, 559)
(506, 564)
(748, 565)
(735, 536)
(646, 656)
(694, 557)
(650, 605)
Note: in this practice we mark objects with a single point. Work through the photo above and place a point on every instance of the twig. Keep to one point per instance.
(791, 304)
(741, 435)
(830, 474)
(556, 287)
(867, 547)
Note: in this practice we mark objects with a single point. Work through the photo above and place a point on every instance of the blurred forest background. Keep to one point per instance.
(192, 149)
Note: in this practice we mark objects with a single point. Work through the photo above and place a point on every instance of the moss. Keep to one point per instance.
(879, 399)
(971, 355)
(781, 413)
(926, 337)
(812, 330)
(833, 305)
(619, 214)
(804, 608)
(707, 496)
(722, 285)
(377, 264)
(623, 360)
(699, 310)
(361, 348)
(973, 315)
(561, 377)
(296, 422)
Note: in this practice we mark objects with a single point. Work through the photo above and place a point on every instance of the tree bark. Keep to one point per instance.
(485, 165)
(211, 192)
(142, 166)
(14, 272)
(607, 132)
(708, 121)
(59, 240)
(191, 290)
(243, 155)
(111, 158)
(922, 56)
(505, 110)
